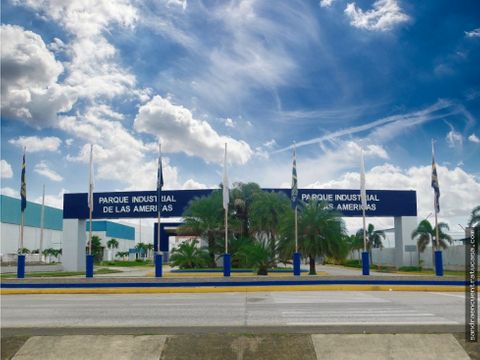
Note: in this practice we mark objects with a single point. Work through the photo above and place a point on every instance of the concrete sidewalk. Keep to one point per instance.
(244, 346)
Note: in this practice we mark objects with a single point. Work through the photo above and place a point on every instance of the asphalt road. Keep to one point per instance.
(233, 309)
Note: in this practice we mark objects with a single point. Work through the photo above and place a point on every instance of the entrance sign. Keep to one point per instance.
(143, 204)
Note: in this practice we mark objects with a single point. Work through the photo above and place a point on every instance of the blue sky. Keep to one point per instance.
(333, 76)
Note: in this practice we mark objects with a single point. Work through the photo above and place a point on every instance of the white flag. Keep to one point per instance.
(226, 195)
(363, 191)
(91, 183)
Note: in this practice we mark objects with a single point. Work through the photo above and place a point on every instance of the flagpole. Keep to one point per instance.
(42, 224)
(159, 201)
(296, 230)
(23, 194)
(226, 201)
(90, 197)
(435, 204)
(363, 198)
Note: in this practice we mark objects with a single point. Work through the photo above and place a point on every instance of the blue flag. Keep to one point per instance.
(435, 186)
(159, 180)
(294, 193)
(23, 186)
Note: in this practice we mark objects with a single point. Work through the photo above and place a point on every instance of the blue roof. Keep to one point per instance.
(11, 214)
(113, 230)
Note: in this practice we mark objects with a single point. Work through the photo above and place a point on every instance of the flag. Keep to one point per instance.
(435, 186)
(226, 193)
(23, 186)
(294, 193)
(159, 178)
(363, 191)
(91, 184)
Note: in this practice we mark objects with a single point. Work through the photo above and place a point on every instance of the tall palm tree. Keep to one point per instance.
(425, 233)
(320, 233)
(474, 217)
(266, 213)
(374, 238)
(111, 244)
(355, 243)
(204, 217)
(141, 249)
(243, 196)
(149, 248)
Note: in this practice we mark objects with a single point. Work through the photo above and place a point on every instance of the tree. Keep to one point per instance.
(424, 233)
(111, 244)
(141, 249)
(320, 233)
(355, 243)
(374, 238)
(122, 254)
(259, 254)
(266, 212)
(97, 249)
(150, 250)
(243, 195)
(474, 217)
(204, 217)
(189, 256)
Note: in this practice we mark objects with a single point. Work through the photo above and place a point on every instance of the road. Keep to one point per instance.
(233, 309)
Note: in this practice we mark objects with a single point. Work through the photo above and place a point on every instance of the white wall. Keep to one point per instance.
(10, 236)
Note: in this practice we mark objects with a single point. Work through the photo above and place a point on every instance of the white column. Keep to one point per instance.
(404, 226)
(74, 243)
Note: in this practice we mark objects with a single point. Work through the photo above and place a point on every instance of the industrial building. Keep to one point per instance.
(52, 230)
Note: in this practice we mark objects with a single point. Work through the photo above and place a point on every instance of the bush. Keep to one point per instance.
(410, 268)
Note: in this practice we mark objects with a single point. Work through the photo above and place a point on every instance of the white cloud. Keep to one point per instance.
(326, 3)
(30, 91)
(454, 139)
(118, 155)
(191, 184)
(387, 128)
(37, 144)
(230, 123)
(55, 201)
(383, 17)
(473, 34)
(180, 3)
(179, 131)
(93, 70)
(10, 192)
(42, 169)
(474, 138)
(6, 170)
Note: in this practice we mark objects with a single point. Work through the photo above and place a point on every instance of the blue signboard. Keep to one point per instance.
(143, 204)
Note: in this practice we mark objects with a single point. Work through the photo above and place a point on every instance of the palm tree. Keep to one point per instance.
(111, 244)
(243, 195)
(150, 250)
(122, 254)
(259, 254)
(374, 238)
(320, 233)
(425, 232)
(97, 249)
(189, 256)
(474, 217)
(266, 212)
(355, 243)
(141, 249)
(204, 217)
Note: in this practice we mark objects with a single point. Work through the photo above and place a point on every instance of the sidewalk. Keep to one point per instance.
(237, 346)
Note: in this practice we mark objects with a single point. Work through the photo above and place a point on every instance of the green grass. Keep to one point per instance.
(127, 263)
(60, 273)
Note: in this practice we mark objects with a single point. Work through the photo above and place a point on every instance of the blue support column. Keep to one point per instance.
(158, 265)
(296, 263)
(227, 264)
(438, 263)
(89, 266)
(365, 263)
(21, 266)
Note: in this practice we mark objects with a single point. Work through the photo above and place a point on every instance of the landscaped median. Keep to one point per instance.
(209, 284)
